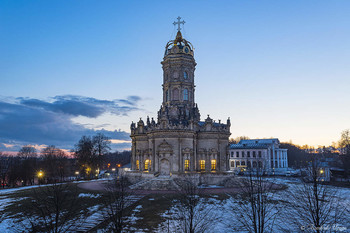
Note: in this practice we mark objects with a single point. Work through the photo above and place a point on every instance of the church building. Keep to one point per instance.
(177, 141)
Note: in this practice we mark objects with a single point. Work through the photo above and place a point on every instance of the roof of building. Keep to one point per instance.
(250, 146)
(260, 141)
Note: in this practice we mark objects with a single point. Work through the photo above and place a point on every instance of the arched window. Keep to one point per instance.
(175, 94)
(238, 164)
(187, 164)
(147, 164)
(167, 96)
(213, 164)
(243, 163)
(137, 165)
(185, 75)
(232, 163)
(202, 164)
(254, 164)
(249, 164)
(185, 94)
(260, 164)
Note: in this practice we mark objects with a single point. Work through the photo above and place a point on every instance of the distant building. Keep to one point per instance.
(258, 153)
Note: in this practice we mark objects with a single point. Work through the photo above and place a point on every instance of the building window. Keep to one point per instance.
(213, 164)
(259, 154)
(147, 164)
(202, 164)
(185, 75)
(232, 163)
(254, 164)
(167, 96)
(238, 164)
(232, 154)
(243, 163)
(186, 94)
(248, 154)
(260, 165)
(137, 165)
(242, 154)
(176, 94)
(237, 154)
(254, 154)
(187, 164)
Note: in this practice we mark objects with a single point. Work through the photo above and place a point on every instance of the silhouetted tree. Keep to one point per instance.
(55, 163)
(344, 144)
(54, 208)
(89, 152)
(237, 139)
(314, 206)
(28, 164)
(192, 214)
(116, 199)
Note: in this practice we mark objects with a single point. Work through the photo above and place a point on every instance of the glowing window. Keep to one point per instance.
(147, 164)
(185, 94)
(187, 164)
(137, 165)
(202, 164)
(213, 164)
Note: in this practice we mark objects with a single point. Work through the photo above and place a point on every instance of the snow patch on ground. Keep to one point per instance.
(89, 195)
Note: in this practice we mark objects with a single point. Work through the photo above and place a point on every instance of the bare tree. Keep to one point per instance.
(28, 162)
(53, 208)
(315, 205)
(344, 144)
(55, 163)
(254, 207)
(192, 211)
(5, 166)
(89, 152)
(116, 199)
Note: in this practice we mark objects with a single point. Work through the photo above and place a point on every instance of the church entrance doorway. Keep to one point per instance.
(164, 167)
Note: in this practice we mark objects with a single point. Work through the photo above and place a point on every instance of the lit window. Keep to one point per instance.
(213, 164)
(185, 94)
(202, 164)
(137, 165)
(187, 164)
(185, 75)
(147, 164)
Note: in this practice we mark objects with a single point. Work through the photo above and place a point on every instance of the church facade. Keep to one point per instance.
(178, 142)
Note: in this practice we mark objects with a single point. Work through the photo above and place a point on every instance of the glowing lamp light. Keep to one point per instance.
(40, 174)
(76, 173)
(113, 169)
(118, 165)
(321, 171)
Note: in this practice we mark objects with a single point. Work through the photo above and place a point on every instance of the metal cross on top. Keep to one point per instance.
(179, 23)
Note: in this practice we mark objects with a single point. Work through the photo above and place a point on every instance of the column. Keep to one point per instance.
(278, 158)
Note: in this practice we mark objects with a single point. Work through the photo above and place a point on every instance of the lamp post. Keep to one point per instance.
(40, 176)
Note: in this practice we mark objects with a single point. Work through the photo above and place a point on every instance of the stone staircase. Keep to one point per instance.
(157, 183)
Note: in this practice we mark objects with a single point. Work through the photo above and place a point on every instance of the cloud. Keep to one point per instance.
(37, 122)
(83, 106)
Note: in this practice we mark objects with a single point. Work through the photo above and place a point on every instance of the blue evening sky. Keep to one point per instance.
(276, 68)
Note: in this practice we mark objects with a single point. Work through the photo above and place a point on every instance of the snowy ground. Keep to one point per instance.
(221, 210)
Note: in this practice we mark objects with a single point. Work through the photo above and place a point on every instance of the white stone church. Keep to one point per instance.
(177, 141)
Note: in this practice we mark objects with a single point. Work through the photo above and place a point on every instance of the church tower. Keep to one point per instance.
(179, 142)
(178, 105)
